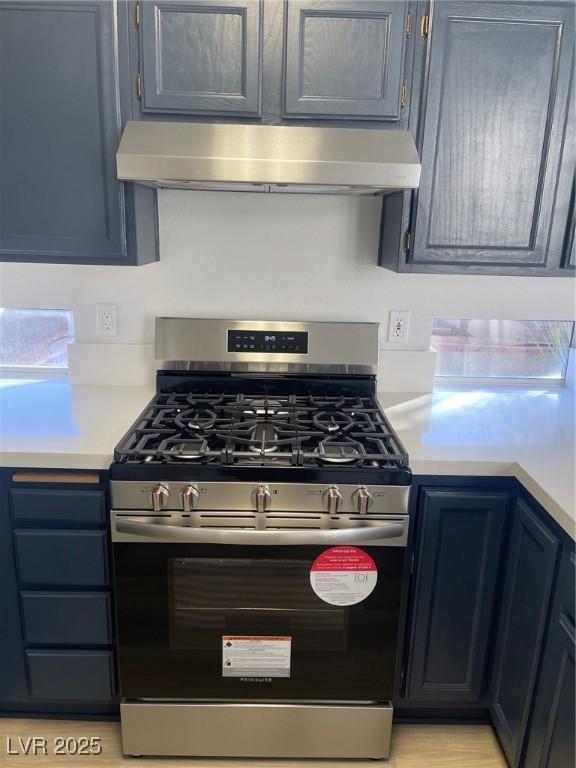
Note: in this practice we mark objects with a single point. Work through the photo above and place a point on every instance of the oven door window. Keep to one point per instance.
(210, 599)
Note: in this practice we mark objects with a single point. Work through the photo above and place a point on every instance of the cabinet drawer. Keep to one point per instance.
(66, 618)
(71, 675)
(65, 506)
(67, 558)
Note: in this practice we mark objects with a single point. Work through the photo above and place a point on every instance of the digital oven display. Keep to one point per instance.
(273, 342)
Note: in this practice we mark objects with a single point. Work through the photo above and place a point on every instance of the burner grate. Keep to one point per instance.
(294, 430)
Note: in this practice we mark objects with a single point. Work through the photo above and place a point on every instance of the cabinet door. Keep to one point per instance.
(13, 681)
(344, 58)
(457, 559)
(530, 566)
(60, 199)
(201, 56)
(551, 738)
(496, 113)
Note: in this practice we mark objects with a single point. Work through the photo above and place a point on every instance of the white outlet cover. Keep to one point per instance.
(399, 326)
(107, 319)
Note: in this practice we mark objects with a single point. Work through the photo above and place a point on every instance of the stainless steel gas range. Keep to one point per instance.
(259, 521)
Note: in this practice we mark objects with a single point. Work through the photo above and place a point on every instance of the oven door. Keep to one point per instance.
(262, 615)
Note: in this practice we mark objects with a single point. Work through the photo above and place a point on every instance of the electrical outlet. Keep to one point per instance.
(399, 326)
(107, 320)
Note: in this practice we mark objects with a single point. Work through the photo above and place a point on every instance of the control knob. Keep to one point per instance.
(189, 496)
(262, 497)
(332, 498)
(159, 496)
(362, 499)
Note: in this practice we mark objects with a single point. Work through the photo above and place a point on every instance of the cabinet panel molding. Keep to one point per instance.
(59, 128)
(528, 580)
(458, 553)
(551, 739)
(200, 56)
(496, 112)
(344, 58)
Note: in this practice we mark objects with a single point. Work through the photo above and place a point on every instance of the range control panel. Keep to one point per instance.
(273, 342)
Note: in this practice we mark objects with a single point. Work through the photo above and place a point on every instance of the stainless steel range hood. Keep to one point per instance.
(266, 158)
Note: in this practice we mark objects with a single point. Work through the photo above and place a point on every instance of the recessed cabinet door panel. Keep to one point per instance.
(496, 112)
(62, 558)
(521, 625)
(66, 618)
(71, 675)
(201, 56)
(458, 554)
(344, 58)
(60, 199)
(61, 506)
(551, 739)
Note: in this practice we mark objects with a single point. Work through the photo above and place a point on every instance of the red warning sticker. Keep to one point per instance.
(343, 575)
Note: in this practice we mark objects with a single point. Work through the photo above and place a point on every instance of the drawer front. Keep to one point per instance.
(62, 558)
(67, 618)
(71, 675)
(60, 506)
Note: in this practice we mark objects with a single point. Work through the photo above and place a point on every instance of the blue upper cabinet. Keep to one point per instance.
(344, 59)
(495, 138)
(201, 57)
(60, 200)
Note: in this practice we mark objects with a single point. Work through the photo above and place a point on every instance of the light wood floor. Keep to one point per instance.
(414, 746)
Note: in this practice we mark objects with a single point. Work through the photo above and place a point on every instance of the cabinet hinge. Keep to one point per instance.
(137, 15)
(138, 86)
(425, 26)
(409, 25)
(404, 94)
(407, 241)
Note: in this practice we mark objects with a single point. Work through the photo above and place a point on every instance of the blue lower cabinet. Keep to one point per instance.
(551, 736)
(66, 618)
(459, 542)
(56, 646)
(71, 675)
(524, 615)
(62, 558)
(13, 681)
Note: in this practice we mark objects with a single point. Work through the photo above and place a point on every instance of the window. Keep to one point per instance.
(35, 338)
(501, 349)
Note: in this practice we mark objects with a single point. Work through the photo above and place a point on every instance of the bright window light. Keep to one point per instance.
(35, 338)
(501, 349)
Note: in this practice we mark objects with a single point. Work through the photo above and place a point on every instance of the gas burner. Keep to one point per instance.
(183, 450)
(264, 407)
(340, 452)
(196, 419)
(265, 437)
(332, 421)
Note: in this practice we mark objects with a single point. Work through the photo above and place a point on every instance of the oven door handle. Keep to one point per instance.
(163, 532)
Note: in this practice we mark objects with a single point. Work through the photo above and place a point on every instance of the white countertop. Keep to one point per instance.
(48, 423)
(517, 432)
(524, 433)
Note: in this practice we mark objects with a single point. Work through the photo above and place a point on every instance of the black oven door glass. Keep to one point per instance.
(211, 598)
(177, 603)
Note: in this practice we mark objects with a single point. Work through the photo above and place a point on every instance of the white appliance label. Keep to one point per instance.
(255, 656)
(343, 575)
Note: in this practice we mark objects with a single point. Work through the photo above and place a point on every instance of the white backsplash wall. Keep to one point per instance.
(259, 256)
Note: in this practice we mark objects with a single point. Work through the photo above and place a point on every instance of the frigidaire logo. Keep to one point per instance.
(255, 679)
